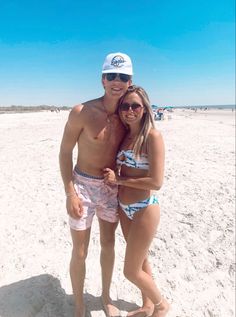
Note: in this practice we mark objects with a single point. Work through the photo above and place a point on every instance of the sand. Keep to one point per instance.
(192, 254)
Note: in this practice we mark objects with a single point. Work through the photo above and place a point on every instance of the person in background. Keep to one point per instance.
(140, 171)
(96, 129)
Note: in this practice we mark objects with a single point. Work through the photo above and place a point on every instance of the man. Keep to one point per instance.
(97, 130)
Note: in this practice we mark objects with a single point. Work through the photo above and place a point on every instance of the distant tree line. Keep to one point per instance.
(14, 108)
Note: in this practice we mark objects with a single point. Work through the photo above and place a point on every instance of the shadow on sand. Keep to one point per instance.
(43, 296)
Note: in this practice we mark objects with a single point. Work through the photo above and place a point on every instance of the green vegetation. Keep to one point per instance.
(14, 109)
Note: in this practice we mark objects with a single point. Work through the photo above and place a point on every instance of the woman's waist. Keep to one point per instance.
(131, 195)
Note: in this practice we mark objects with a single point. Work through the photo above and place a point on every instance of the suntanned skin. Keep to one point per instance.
(97, 143)
(136, 185)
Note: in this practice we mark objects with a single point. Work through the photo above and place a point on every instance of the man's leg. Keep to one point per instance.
(80, 241)
(107, 258)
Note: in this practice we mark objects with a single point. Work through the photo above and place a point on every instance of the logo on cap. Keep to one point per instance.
(117, 61)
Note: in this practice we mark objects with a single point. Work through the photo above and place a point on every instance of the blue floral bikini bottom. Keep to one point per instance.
(131, 209)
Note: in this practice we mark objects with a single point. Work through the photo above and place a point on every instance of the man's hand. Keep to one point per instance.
(74, 206)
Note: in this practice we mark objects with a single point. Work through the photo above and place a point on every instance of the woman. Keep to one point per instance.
(140, 163)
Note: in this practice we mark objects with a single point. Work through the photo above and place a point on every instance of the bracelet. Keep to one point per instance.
(71, 194)
(158, 304)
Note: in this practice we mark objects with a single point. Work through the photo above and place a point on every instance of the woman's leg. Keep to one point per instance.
(147, 306)
(141, 232)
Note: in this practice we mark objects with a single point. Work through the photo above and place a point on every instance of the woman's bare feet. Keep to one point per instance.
(145, 311)
(161, 309)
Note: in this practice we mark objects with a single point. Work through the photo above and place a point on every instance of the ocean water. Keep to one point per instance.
(202, 107)
(212, 107)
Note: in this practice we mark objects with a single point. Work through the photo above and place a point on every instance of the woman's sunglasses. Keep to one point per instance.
(126, 106)
(123, 77)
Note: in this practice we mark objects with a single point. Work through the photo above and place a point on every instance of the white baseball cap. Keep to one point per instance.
(117, 63)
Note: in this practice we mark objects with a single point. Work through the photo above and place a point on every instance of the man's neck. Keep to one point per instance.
(109, 103)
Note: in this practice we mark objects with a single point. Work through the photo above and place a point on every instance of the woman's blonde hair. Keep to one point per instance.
(147, 119)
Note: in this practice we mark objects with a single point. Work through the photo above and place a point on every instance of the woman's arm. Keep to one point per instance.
(156, 157)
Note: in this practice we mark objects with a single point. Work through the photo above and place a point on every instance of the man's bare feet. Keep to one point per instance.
(79, 312)
(141, 312)
(110, 309)
(162, 309)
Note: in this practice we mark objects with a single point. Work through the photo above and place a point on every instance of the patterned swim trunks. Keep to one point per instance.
(97, 197)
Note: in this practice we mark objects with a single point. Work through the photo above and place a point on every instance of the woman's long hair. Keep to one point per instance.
(147, 122)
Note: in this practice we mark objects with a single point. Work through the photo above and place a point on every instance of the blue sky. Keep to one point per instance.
(51, 52)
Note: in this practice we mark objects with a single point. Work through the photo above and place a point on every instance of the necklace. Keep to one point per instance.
(109, 115)
(108, 120)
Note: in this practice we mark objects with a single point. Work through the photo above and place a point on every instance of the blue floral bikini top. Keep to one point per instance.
(127, 158)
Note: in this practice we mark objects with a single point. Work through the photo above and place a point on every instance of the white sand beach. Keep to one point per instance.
(192, 254)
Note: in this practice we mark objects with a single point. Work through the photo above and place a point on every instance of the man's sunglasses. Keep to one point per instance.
(123, 77)
(126, 106)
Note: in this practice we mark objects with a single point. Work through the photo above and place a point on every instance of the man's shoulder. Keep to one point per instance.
(94, 103)
(87, 106)
(77, 108)
(84, 111)
(75, 113)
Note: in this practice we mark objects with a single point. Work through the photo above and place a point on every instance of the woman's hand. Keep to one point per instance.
(110, 176)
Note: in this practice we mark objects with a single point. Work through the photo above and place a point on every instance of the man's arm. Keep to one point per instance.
(71, 134)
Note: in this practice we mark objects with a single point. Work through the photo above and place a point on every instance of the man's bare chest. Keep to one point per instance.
(105, 130)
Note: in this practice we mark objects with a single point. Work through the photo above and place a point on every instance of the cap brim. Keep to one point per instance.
(118, 71)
